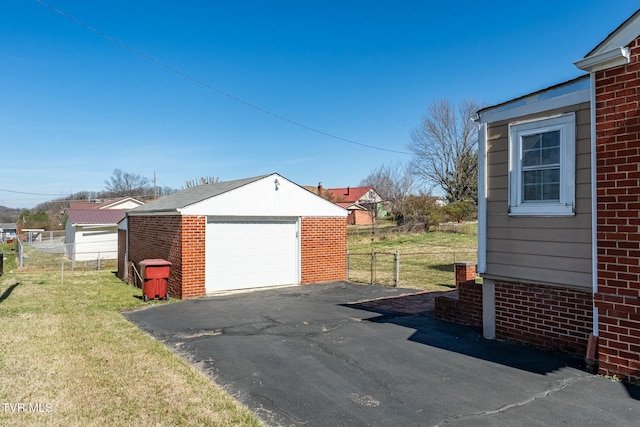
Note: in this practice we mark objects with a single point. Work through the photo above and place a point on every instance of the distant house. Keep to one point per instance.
(361, 202)
(8, 231)
(91, 227)
(559, 196)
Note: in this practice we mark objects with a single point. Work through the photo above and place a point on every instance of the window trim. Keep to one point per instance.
(566, 124)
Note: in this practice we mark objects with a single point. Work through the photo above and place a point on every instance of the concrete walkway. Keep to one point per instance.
(335, 355)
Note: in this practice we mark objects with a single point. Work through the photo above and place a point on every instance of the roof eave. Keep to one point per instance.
(572, 92)
(605, 60)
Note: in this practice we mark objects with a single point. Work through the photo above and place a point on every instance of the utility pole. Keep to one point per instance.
(155, 186)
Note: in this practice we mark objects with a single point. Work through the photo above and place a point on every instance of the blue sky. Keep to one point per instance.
(75, 105)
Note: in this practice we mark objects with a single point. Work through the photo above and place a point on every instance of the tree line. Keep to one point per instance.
(50, 215)
(445, 161)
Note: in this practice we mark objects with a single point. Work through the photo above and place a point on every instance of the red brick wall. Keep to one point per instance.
(157, 237)
(323, 249)
(465, 308)
(618, 232)
(542, 316)
(122, 244)
(194, 231)
(465, 272)
(182, 241)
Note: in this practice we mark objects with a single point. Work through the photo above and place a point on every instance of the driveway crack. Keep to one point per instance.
(351, 362)
(555, 388)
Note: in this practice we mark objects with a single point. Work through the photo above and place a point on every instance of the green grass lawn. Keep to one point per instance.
(67, 349)
(426, 259)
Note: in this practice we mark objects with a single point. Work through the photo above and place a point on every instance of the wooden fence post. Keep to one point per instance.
(396, 269)
(373, 267)
(347, 264)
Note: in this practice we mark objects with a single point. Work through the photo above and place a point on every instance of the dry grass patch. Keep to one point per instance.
(426, 259)
(67, 348)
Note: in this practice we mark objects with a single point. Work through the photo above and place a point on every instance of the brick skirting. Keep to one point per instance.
(544, 316)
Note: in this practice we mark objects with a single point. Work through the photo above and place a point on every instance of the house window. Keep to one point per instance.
(542, 167)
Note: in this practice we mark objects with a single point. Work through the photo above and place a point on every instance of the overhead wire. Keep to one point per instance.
(31, 194)
(207, 85)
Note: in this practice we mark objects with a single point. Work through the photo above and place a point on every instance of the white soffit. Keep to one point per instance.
(571, 93)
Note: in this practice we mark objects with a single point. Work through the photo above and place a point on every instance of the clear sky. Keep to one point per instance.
(142, 91)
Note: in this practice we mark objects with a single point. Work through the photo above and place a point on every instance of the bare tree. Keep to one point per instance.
(445, 149)
(201, 181)
(394, 183)
(127, 184)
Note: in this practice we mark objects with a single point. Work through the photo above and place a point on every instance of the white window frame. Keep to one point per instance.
(566, 124)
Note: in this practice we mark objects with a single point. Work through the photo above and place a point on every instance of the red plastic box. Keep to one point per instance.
(155, 276)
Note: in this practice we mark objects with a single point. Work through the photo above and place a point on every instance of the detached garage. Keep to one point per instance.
(248, 233)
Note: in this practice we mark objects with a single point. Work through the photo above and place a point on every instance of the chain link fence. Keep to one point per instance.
(418, 270)
(48, 251)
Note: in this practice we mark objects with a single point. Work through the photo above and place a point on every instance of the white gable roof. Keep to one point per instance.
(122, 203)
(264, 196)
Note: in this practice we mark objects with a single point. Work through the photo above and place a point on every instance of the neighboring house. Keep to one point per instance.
(247, 233)
(91, 228)
(361, 202)
(358, 214)
(8, 231)
(559, 238)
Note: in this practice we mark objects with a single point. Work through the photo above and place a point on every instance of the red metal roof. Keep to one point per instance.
(348, 194)
(95, 216)
(86, 204)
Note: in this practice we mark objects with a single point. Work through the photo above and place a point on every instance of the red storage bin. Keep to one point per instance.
(155, 276)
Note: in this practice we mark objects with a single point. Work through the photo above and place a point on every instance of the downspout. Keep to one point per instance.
(594, 200)
(482, 197)
(126, 248)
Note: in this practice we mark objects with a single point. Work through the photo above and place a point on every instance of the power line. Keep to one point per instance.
(207, 85)
(31, 194)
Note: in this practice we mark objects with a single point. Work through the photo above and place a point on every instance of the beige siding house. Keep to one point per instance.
(558, 211)
(536, 222)
(540, 249)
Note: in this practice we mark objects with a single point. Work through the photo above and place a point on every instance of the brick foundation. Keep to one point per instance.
(544, 316)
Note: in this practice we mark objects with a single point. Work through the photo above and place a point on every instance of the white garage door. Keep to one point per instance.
(249, 254)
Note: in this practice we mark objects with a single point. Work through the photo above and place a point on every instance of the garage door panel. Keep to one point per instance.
(247, 254)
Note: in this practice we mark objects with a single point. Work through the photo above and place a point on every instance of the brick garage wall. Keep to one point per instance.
(618, 235)
(323, 249)
(178, 239)
(122, 248)
(194, 233)
(544, 316)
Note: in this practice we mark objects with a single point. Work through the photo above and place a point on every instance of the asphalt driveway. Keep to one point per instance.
(320, 355)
